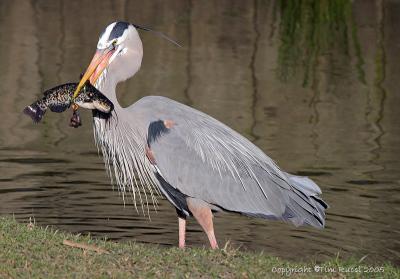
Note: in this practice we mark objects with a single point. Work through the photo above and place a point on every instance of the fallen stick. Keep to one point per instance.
(84, 246)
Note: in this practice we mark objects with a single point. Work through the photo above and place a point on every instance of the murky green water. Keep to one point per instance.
(314, 84)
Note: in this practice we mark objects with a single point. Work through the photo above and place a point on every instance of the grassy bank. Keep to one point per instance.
(30, 251)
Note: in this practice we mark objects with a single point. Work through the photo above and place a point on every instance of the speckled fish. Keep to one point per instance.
(59, 98)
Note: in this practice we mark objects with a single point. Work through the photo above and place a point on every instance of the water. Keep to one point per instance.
(314, 85)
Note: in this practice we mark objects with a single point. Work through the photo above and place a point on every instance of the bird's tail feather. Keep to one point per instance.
(305, 207)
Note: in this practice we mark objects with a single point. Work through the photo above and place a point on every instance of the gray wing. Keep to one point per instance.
(203, 158)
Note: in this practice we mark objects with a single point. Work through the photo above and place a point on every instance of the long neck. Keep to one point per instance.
(123, 145)
(106, 84)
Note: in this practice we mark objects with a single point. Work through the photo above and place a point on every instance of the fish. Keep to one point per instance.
(60, 98)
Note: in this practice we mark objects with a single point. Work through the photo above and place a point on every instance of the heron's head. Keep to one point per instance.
(118, 56)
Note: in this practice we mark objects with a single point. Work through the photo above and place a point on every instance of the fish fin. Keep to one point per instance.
(59, 107)
(65, 86)
(35, 112)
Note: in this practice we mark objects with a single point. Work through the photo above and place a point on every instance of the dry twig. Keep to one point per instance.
(85, 246)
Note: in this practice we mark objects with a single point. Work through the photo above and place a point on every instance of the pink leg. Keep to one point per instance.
(204, 216)
(182, 231)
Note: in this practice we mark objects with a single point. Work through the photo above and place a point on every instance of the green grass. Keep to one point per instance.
(29, 251)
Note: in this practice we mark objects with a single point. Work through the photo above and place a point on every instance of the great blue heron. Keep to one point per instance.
(199, 164)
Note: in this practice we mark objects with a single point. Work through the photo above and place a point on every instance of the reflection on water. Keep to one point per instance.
(309, 30)
(313, 83)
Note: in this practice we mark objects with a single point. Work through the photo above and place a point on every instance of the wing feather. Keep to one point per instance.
(205, 159)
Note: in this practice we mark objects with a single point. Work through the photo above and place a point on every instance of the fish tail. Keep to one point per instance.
(35, 112)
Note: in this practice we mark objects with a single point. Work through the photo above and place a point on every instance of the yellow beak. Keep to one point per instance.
(96, 67)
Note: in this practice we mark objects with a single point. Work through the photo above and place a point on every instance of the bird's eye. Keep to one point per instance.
(114, 43)
(90, 95)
